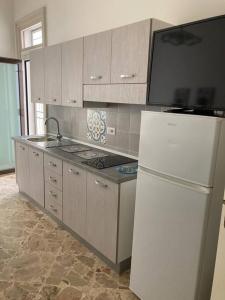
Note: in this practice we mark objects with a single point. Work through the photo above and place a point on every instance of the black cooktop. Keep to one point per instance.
(108, 161)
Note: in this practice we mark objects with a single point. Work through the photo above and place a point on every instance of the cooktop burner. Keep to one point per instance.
(108, 161)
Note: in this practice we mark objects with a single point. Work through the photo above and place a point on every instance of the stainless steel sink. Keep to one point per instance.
(39, 139)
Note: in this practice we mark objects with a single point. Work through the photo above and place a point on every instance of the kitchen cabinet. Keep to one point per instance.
(53, 185)
(130, 49)
(102, 210)
(116, 93)
(99, 210)
(53, 200)
(37, 76)
(218, 290)
(53, 74)
(22, 167)
(97, 58)
(74, 198)
(36, 171)
(72, 73)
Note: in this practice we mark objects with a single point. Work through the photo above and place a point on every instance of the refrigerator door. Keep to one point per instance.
(183, 146)
(170, 220)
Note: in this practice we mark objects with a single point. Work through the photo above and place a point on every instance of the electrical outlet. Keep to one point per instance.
(111, 130)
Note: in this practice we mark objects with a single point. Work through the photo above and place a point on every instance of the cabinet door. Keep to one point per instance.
(102, 212)
(97, 58)
(53, 70)
(22, 168)
(72, 73)
(74, 198)
(218, 291)
(37, 75)
(36, 163)
(130, 48)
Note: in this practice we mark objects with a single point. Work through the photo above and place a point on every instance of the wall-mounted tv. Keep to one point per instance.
(187, 68)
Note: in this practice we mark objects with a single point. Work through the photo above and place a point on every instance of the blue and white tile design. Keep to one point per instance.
(96, 126)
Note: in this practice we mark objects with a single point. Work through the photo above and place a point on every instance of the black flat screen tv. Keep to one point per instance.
(187, 67)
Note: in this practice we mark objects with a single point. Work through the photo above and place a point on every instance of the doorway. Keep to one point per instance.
(10, 123)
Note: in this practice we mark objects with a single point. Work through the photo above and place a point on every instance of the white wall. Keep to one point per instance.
(7, 41)
(68, 19)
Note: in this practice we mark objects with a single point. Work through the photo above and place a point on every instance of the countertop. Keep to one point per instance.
(111, 173)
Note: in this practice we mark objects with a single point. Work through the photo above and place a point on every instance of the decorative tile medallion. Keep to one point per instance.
(96, 126)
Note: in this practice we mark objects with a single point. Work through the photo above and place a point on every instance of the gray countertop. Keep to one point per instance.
(111, 173)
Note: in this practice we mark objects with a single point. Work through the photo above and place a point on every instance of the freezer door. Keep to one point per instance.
(183, 146)
(169, 228)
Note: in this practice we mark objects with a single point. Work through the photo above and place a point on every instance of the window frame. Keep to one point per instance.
(36, 17)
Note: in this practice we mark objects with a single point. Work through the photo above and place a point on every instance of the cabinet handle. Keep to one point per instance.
(35, 153)
(53, 208)
(52, 179)
(51, 193)
(98, 182)
(224, 223)
(72, 101)
(39, 99)
(52, 164)
(54, 100)
(23, 148)
(71, 171)
(94, 77)
(124, 76)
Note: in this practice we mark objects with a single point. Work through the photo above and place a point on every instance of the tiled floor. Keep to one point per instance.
(40, 260)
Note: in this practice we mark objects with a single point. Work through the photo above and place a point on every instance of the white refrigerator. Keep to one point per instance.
(179, 200)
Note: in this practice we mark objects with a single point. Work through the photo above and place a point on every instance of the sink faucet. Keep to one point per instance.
(59, 136)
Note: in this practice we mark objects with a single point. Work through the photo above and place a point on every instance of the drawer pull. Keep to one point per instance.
(52, 164)
(23, 148)
(53, 208)
(71, 171)
(54, 100)
(51, 193)
(124, 76)
(52, 179)
(98, 182)
(35, 153)
(94, 77)
(72, 101)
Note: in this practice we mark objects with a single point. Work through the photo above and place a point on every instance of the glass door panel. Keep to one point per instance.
(9, 114)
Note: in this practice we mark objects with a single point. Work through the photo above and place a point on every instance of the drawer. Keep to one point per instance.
(53, 207)
(53, 179)
(53, 164)
(53, 194)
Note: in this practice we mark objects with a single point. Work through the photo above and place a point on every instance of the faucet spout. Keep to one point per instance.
(59, 136)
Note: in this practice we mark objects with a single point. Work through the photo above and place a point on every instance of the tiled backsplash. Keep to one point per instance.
(125, 119)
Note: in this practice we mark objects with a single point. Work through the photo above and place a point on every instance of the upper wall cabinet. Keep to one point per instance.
(130, 48)
(97, 58)
(37, 76)
(72, 73)
(53, 73)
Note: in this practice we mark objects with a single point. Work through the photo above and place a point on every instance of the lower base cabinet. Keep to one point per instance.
(97, 209)
(102, 215)
(36, 170)
(30, 172)
(22, 167)
(74, 198)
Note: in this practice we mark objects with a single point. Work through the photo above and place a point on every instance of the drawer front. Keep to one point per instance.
(53, 164)
(53, 179)
(53, 194)
(53, 207)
